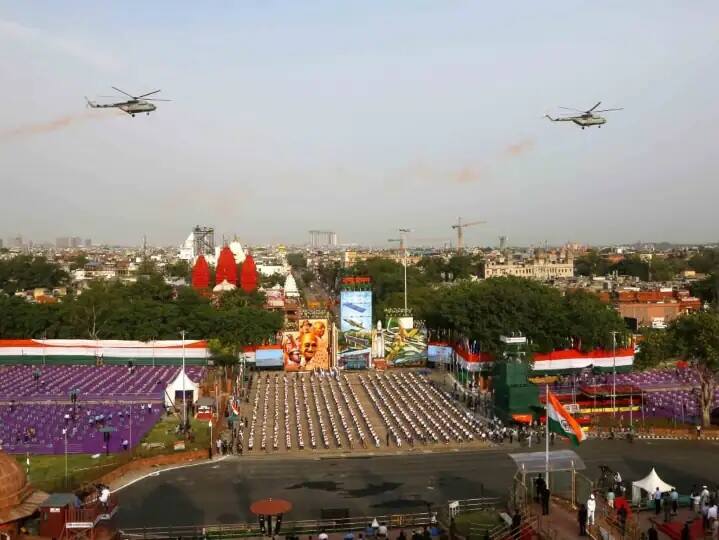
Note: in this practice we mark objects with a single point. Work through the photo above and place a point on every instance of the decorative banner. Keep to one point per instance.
(307, 348)
(404, 344)
(355, 342)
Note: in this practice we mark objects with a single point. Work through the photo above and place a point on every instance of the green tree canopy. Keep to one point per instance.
(297, 260)
(696, 338)
(25, 272)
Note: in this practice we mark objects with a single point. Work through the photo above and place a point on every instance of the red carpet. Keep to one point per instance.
(673, 529)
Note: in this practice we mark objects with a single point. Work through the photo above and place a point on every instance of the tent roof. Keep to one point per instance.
(650, 483)
(177, 381)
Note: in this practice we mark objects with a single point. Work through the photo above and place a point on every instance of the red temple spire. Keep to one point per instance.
(248, 274)
(201, 274)
(226, 267)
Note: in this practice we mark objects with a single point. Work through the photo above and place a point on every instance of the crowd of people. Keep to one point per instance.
(330, 409)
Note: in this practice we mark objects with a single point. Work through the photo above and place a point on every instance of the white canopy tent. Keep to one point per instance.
(177, 386)
(649, 484)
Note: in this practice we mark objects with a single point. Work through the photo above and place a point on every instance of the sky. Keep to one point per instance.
(361, 117)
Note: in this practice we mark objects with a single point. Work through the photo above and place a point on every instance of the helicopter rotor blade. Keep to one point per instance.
(155, 99)
(123, 92)
(597, 105)
(570, 109)
(607, 110)
(148, 94)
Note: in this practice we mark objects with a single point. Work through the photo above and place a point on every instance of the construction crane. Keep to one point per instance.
(460, 231)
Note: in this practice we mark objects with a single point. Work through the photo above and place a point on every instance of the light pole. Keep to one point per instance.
(210, 424)
(130, 427)
(403, 236)
(44, 338)
(614, 376)
(64, 434)
(184, 392)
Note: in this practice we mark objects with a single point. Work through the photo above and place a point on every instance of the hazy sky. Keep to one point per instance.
(361, 117)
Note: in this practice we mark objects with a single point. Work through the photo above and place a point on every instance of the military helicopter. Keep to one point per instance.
(586, 118)
(136, 104)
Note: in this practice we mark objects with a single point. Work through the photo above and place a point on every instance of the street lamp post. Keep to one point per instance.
(184, 392)
(44, 338)
(614, 375)
(64, 433)
(403, 236)
(210, 423)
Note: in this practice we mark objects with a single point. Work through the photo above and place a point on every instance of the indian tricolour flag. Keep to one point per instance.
(561, 422)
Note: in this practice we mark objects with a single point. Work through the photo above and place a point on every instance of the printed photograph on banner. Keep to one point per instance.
(307, 348)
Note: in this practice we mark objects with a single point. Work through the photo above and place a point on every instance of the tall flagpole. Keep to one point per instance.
(546, 436)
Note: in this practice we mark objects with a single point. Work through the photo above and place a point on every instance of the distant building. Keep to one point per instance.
(88, 242)
(541, 267)
(62, 242)
(76, 242)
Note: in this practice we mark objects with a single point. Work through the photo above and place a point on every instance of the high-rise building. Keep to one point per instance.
(62, 242)
(88, 242)
(76, 242)
(0, 243)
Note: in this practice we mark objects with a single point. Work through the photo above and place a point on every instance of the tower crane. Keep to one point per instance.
(460, 231)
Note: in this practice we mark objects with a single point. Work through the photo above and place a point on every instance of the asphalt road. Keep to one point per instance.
(222, 492)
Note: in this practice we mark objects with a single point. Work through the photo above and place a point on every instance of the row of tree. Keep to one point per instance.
(148, 309)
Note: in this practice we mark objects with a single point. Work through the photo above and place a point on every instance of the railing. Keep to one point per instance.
(240, 530)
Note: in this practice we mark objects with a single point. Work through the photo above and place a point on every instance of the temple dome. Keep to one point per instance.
(224, 286)
(14, 488)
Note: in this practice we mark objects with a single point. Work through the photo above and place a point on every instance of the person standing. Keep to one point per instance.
(674, 497)
(545, 501)
(652, 533)
(610, 498)
(622, 514)
(591, 508)
(582, 518)
(657, 501)
(667, 505)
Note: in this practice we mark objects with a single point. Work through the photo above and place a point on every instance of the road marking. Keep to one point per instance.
(157, 473)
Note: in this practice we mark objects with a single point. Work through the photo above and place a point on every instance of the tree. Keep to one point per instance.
(705, 261)
(28, 272)
(308, 277)
(78, 261)
(179, 270)
(655, 348)
(591, 264)
(268, 282)
(696, 337)
(484, 311)
(297, 261)
(632, 265)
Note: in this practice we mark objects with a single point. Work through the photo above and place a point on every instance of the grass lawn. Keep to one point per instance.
(478, 518)
(47, 472)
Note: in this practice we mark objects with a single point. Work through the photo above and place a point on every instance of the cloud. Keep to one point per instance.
(57, 124)
(68, 47)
